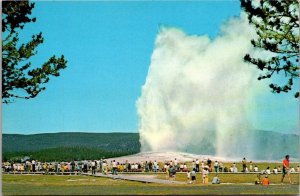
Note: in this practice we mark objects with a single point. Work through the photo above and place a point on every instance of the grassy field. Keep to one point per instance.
(88, 185)
(237, 178)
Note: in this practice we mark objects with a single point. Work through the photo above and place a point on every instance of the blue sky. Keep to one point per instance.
(108, 46)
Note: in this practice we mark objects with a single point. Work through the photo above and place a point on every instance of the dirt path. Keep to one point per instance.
(140, 178)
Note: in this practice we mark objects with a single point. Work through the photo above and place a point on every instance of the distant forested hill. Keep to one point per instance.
(116, 142)
(260, 145)
(67, 146)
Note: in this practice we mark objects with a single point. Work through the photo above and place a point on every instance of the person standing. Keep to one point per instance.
(202, 165)
(93, 167)
(188, 176)
(73, 166)
(285, 168)
(193, 175)
(244, 162)
(251, 167)
(220, 167)
(155, 166)
(176, 164)
(104, 166)
(85, 167)
(58, 167)
(194, 165)
(209, 164)
(197, 165)
(167, 171)
(146, 166)
(216, 166)
(205, 175)
(33, 165)
(150, 166)
(100, 166)
(114, 167)
(171, 172)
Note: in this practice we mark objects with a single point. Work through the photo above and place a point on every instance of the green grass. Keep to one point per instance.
(237, 178)
(87, 185)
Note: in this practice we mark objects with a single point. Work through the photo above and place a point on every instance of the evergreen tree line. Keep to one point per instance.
(116, 142)
(75, 153)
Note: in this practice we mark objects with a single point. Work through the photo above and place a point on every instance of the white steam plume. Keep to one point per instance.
(198, 92)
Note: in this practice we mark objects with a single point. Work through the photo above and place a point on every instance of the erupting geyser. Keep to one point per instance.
(198, 92)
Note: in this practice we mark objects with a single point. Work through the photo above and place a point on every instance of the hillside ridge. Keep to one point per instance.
(104, 141)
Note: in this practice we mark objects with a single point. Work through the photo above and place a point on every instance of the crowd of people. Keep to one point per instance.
(169, 167)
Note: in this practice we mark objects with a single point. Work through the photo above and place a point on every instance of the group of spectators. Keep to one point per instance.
(103, 166)
(286, 170)
(37, 166)
(169, 167)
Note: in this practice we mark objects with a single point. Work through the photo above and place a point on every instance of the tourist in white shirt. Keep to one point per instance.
(202, 165)
(220, 167)
(104, 166)
(93, 167)
(204, 175)
(216, 165)
(33, 165)
(268, 171)
(176, 164)
(114, 167)
(58, 167)
(216, 180)
(275, 171)
(155, 166)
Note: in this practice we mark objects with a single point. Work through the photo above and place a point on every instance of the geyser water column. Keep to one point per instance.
(198, 92)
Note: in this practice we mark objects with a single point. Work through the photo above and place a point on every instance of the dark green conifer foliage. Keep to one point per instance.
(21, 79)
(277, 27)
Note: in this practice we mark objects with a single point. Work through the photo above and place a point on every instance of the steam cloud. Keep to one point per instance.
(198, 92)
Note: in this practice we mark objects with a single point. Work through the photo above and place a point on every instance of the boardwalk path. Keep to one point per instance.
(139, 178)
